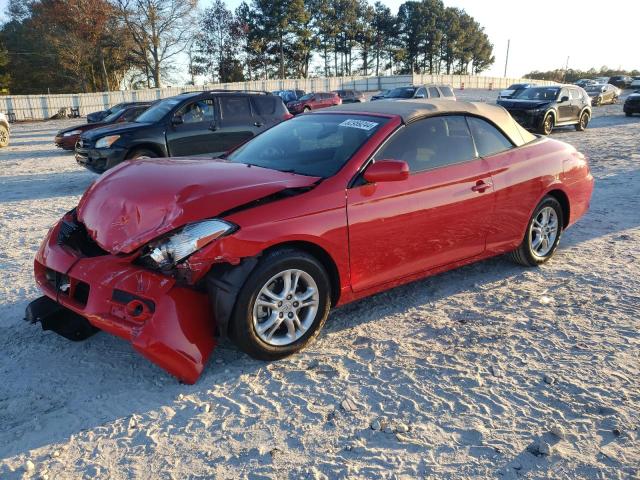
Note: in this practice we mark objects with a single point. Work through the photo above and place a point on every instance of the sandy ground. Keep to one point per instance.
(489, 371)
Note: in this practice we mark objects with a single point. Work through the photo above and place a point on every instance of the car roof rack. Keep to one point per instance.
(222, 90)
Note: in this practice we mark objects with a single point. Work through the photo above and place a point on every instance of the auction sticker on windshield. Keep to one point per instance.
(361, 124)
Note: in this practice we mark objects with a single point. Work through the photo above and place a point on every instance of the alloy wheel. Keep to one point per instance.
(543, 232)
(286, 307)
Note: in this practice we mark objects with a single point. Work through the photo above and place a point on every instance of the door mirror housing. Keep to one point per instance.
(564, 99)
(177, 120)
(387, 171)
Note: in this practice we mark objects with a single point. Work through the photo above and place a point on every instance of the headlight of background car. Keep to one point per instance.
(106, 142)
(72, 132)
(178, 246)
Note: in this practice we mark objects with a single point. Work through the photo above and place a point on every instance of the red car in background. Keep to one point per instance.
(67, 138)
(314, 101)
(317, 211)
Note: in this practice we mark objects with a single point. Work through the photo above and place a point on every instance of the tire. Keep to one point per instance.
(527, 253)
(248, 327)
(546, 127)
(141, 153)
(4, 136)
(306, 109)
(628, 114)
(583, 121)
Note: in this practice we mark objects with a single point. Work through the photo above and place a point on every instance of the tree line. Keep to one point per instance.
(99, 45)
(572, 75)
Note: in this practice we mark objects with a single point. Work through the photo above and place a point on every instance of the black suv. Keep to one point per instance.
(621, 81)
(197, 123)
(632, 104)
(350, 96)
(543, 108)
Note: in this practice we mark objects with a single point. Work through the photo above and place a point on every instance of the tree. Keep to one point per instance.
(160, 30)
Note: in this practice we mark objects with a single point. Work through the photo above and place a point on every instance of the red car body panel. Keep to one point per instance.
(314, 103)
(375, 236)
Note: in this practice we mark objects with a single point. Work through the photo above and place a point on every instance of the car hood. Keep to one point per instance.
(112, 129)
(83, 127)
(140, 200)
(523, 104)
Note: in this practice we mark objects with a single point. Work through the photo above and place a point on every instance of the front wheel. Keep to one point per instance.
(141, 153)
(282, 306)
(4, 136)
(306, 109)
(547, 124)
(583, 122)
(543, 234)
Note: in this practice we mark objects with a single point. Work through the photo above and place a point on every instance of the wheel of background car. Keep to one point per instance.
(628, 114)
(306, 109)
(543, 234)
(4, 136)
(547, 124)
(583, 122)
(282, 306)
(142, 153)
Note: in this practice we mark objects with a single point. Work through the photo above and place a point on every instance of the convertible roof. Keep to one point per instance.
(411, 110)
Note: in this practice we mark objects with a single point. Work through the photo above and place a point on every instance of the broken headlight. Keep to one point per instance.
(179, 245)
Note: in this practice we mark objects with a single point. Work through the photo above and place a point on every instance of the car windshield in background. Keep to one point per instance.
(401, 92)
(594, 88)
(314, 145)
(159, 110)
(111, 117)
(308, 96)
(538, 93)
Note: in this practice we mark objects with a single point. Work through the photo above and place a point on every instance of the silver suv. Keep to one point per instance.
(4, 130)
(442, 92)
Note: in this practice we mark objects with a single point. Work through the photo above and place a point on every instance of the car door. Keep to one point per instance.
(237, 121)
(438, 216)
(576, 103)
(564, 107)
(192, 129)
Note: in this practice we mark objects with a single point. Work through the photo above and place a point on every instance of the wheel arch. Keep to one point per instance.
(563, 199)
(146, 146)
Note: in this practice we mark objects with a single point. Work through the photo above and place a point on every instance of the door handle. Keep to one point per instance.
(481, 186)
(258, 124)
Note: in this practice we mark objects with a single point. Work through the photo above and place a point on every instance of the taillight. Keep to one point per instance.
(287, 116)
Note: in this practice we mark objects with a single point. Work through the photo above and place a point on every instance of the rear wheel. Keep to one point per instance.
(583, 122)
(306, 109)
(141, 153)
(282, 306)
(4, 136)
(543, 234)
(628, 114)
(547, 124)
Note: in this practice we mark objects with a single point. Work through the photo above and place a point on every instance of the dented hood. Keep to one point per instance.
(136, 202)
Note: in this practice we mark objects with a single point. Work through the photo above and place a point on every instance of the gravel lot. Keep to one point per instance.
(489, 371)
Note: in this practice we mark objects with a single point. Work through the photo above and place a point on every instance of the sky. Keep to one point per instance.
(544, 33)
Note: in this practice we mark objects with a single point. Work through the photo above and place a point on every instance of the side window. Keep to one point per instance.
(563, 93)
(446, 91)
(489, 140)
(431, 143)
(433, 92)
(234, 107)
(575, 94)
(421, 93)
(265, 104)
(200, 111)
(131, 114)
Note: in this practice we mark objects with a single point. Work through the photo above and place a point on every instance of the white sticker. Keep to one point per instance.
(361, 124)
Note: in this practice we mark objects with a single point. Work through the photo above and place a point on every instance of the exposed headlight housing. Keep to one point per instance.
(72, 132)
(106, 142)
(172, 249)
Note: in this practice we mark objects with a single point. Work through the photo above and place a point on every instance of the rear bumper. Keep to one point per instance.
(169, 324)
(100, 159)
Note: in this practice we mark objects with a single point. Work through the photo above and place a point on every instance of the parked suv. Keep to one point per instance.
(314, 101)
(4, 130)
(620, 81)
(351, 96)
(68, 137)
(543, 108)
(632, 104)
(198, 123)
(421, 91)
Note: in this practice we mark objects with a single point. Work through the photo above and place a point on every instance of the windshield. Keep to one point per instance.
(112, 117)
(116, 108)
(158, 110)
(308, 96)
(594, 88)
(538, 93)
(314, 145)
(401, 92)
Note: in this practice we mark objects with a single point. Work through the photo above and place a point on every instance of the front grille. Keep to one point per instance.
(74, 235)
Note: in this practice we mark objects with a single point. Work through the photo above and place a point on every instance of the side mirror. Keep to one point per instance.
(387, 171)
(564, 99)
(177, 120)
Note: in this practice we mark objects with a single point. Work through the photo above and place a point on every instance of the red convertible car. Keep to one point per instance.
(318, 211)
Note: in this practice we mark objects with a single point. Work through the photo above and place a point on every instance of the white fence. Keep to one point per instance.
(40, 107)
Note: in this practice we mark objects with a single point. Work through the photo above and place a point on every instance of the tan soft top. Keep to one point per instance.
(411, 110)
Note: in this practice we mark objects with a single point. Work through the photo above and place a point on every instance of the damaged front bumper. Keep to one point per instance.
(169, 324)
